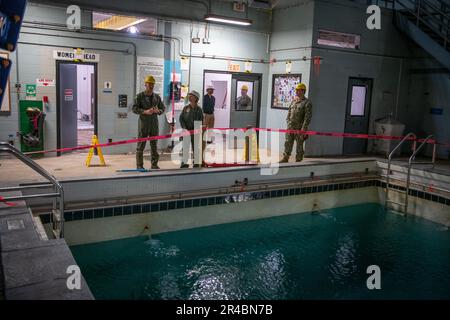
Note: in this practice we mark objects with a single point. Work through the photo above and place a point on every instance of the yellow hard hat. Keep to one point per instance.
(300, 86)
(244, 87)
(149, 79)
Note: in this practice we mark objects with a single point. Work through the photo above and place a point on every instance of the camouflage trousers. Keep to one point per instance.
(289, 143)
(146, 131)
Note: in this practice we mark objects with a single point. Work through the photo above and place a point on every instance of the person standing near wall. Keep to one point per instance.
(148, 105)
(298, 118)
(244, 102)
(209, 101)
(191, 113)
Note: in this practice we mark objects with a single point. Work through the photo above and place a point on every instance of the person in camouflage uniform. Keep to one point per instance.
(191, 113)
(148, 105)
(244, 102)
(298, 118)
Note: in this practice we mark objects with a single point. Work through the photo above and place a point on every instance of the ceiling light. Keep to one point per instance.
(221, 19)
(133, 30)
(131, 24)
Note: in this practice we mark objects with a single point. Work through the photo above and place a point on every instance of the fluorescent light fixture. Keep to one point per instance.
(133, 30)
(221, 19)
(131, 24)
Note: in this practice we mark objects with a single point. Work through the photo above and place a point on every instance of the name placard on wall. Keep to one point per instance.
(76, 55)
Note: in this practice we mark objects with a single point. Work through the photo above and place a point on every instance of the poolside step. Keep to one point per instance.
(394, 202)
(56, 215)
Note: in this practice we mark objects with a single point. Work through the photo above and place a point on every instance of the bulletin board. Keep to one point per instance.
(5, 108)
(283, 90)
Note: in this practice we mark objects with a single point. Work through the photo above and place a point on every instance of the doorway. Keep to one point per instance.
(245, 94)
(357, 114)
(77, 103)
(232, 110)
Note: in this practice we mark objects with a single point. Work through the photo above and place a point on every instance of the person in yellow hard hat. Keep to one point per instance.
(148, 105)
(190, 114)
(244, 102)
(298, 118)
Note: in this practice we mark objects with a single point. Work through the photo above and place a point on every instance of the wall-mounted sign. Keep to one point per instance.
(184, 64)
(234, 67)
(150, 66)
(288, 66)
(123, 101)
(30, 91)
(44, 82)
(68, 94)
(437, 111)
(76, 55)
(248, 66)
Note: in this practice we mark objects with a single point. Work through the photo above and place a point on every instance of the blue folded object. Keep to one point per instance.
(5, 67)
(11, 18)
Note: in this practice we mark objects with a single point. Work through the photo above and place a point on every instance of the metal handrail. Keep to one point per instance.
(410, 163)
(422, 4)
(409, 136)
(59, 192)
(441, 34)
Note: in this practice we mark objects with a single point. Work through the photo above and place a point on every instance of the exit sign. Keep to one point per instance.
(234, 67)
(239, 6)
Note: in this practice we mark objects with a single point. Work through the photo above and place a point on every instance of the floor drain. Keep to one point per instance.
(15, 224)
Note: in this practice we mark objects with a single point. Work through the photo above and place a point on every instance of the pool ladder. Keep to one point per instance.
(57, 193)
(411, 162)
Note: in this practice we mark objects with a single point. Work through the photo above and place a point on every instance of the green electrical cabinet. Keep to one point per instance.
(26, 126)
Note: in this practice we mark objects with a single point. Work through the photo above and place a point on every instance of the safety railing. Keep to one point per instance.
(428, 14)
(409, 136)
(411, 163)
(415, 151)
(57, 216)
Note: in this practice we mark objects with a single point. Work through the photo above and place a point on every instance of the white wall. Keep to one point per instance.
(291, 39)
(84, 88)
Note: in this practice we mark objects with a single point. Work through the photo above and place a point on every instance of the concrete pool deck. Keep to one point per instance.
(20, 244)
(72, 166)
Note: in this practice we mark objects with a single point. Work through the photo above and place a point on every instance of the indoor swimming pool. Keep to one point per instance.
(324, 255)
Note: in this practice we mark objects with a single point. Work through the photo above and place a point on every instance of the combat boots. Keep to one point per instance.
(285, 159)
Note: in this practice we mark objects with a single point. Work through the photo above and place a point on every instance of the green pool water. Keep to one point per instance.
(301, 256)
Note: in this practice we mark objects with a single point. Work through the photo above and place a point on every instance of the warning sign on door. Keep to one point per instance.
(68, 94)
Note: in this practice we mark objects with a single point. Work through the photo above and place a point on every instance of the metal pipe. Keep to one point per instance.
(33, 196)
(398, 88)
(26, 187)
(61, 210)
(154, 38)
(61, 46)
(17, 74)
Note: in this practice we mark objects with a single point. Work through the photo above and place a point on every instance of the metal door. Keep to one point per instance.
(242, 116)
(67, 105)
(357, 114)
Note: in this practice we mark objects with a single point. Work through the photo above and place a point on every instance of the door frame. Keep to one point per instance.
(258, 75)
(58, 98)
(369, 106)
